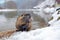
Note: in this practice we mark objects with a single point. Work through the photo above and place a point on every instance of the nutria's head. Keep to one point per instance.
(23, 26)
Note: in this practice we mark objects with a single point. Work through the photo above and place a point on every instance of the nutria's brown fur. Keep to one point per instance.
(7, 33)
(20, 21)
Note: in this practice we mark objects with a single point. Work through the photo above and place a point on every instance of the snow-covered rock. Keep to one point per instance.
(55, 21)
(49, 10)
(43, 11)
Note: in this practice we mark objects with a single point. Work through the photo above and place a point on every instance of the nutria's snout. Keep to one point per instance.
(23, 28)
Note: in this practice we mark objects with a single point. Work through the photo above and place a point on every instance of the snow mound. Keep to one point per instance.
(48, 33)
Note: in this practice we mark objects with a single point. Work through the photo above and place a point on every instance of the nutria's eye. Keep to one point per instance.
(58, 18)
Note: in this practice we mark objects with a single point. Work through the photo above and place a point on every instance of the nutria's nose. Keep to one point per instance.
(24, 28)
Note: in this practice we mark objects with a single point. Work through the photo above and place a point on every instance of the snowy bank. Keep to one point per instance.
(48, 33)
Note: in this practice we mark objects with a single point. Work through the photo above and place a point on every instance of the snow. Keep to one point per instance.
(54, 21)
(49, 10)
(42, 8)
(46, 2)
(48, 33)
